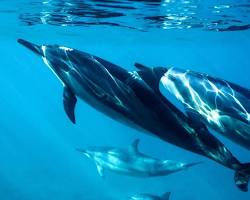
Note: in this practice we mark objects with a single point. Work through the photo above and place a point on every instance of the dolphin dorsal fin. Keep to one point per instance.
(69, 102)
(141, 66)
(134, 146)
(166, 196)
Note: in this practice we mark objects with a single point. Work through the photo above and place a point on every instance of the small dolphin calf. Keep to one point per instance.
(131, 162)
(134, 98)
(165, 196)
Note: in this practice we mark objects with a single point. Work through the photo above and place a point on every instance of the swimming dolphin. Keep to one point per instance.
(133, 98)
(131, 162)
(220, 104)
(165, 196)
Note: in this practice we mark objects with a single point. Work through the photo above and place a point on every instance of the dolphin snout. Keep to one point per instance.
(33, 47)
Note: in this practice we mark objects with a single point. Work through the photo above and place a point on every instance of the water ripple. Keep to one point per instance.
(139, 14)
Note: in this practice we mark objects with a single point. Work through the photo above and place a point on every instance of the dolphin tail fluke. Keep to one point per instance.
(241, 177)
(166, 196)
(33, 47)
(192, 164)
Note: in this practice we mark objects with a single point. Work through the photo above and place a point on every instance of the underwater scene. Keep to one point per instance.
(125, 99)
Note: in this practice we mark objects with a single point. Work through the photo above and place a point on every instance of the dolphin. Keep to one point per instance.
(220, 104)
(165, 196)
(133, 98)
(132, 162)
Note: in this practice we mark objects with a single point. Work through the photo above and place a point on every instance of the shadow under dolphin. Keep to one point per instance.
(133, 98)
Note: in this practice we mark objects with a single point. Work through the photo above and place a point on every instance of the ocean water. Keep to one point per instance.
(37, 141)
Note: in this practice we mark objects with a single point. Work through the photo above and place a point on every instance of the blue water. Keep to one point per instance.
(37, 141)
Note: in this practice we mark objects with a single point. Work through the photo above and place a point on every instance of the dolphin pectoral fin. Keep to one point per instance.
(141, 66)
(100, 170)
(134, 146)
(69, 102)
(166, 196)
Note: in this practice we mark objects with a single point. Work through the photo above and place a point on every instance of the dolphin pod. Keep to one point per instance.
(132, 162)
(165, 196)
(134, 98)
